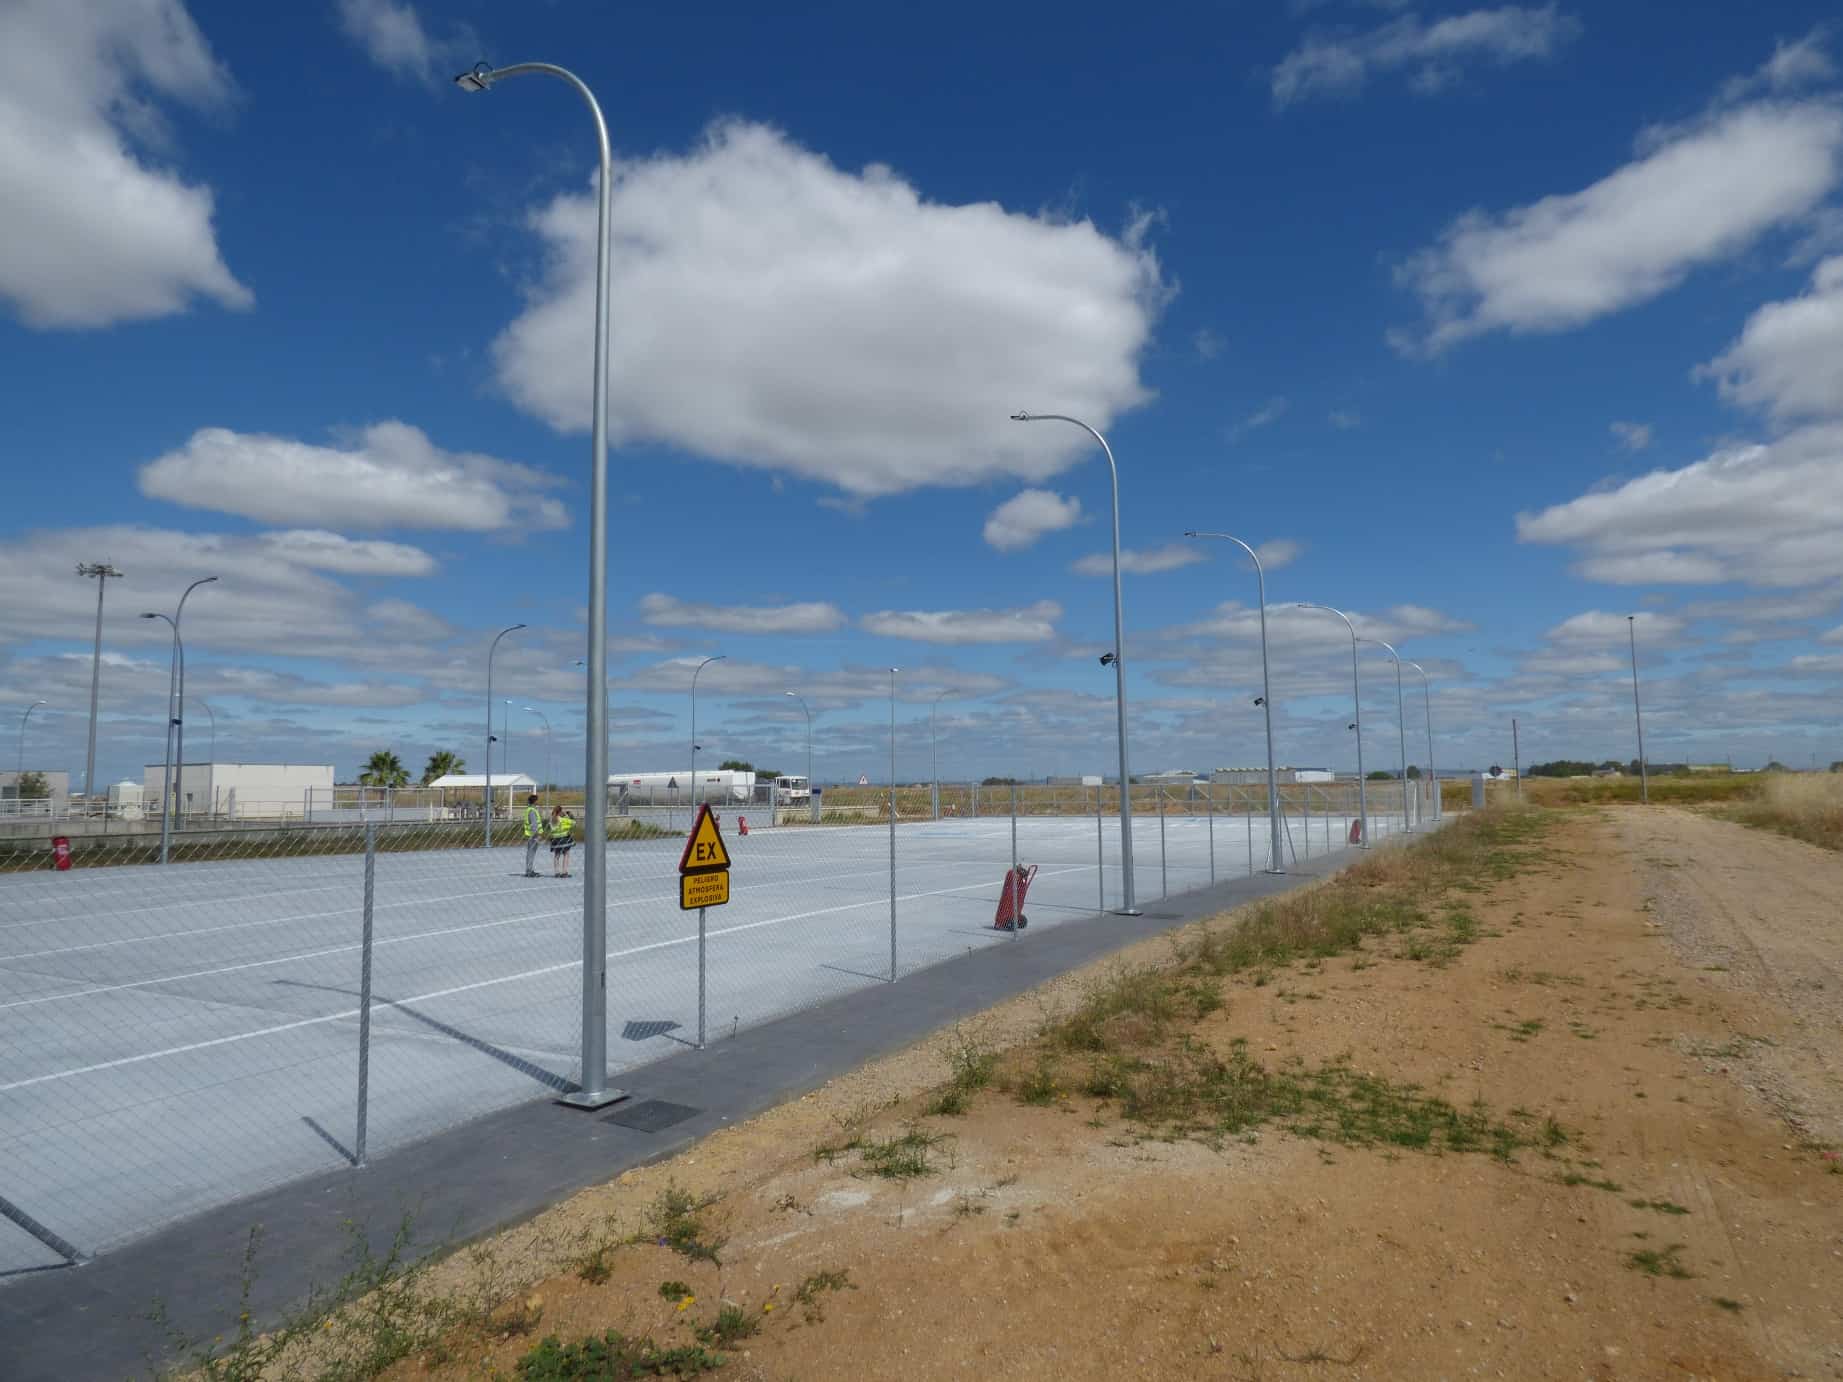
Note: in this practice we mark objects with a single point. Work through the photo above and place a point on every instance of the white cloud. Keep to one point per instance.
(1654, 568)
(1145, 561)
(1338, 64)
(1026, 516)
(1345, 420)
(272, 595)
(389, 475)
(1267, 414)
(779, 312)
(95, 232)
(1633, 436)
(1282, 551)
(1792, 66)
(1208, 343)
(1693, 197)
(324, 551)
(1601, 626)
(392, 35)
(1031, 624)
(666, 611)
(1789, 358)
(1764, 513)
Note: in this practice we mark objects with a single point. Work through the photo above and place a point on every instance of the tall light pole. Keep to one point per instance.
(934, 752)
(505, 741)
(1401, 728)
(213, 715)
(593, 1091)
(1427, 702)
(1275, 865)
(809, 737)
(486, 811)
(1644, 777)
(546, 719)
(170, 795)
(22, 735)
(720, 657)
(1356, 691)
(179, 701)
(102, 571)
(1119, 662)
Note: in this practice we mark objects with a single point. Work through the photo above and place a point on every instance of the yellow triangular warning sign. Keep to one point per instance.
(704, 851)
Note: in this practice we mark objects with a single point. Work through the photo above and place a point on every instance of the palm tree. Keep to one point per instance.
(441, 763)
(383, 769)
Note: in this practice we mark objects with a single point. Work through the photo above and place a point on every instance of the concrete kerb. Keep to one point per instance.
(494, 1172)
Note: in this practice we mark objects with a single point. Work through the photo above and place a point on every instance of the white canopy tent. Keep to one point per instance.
(505, 789)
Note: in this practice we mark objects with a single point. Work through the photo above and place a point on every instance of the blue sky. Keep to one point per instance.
(1489, 325)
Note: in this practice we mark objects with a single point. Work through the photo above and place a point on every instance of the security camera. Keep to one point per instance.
(1260, 700)
(1351, 725)
(1106, 659)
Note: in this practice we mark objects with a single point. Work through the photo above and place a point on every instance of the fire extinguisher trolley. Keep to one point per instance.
(1011, 898)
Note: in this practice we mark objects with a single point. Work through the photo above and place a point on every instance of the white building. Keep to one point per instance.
(239, 790)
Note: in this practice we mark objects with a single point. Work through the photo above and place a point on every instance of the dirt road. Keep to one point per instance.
(1660, 992)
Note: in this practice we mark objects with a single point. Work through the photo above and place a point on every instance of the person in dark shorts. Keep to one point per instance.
(562, 836)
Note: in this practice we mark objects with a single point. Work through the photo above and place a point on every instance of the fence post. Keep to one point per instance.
(1164, 886)
(1016, 931)
(1100, 853)
(1250, 826)
(364, 996)
(1211, 798)
(892, 880)
(976, 800)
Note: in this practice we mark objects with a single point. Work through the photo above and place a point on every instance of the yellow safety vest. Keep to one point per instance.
(532, 818)
(565, 827)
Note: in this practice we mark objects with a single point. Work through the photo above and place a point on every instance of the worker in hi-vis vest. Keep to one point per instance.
(536, 827)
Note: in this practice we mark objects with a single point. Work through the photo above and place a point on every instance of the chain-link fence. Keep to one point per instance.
(273, 1002)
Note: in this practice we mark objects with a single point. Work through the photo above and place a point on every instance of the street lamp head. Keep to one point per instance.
(149, 614)
(476, 78)
(1107, 659)
(1020, 416)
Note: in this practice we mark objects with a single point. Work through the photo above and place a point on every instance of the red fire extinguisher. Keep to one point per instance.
(60, 849)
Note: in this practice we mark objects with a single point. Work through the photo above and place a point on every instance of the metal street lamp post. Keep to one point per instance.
(1427, 702)
(546, 719)
(486, 805)
(102, 571)
(593, 1091)
(809, 737)
(1644, 777)
(22, 736)
(1401, 729)
(934, 753)
(1275, 864)
(213, 715)
(170, 797)
(1119, 662)
(505, 745)
(720, 657)
(1356, 691)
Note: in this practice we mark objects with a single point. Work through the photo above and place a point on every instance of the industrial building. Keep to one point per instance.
(234, 791)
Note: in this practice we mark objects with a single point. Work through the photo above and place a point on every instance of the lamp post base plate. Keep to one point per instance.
(600, 1099)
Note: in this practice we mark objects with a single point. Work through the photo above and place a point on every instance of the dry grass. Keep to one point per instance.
(1806, 806)
(1678, 789)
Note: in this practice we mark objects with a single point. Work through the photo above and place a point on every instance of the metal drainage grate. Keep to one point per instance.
(651, 1115)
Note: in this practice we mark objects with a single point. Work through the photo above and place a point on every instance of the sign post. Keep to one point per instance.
(703, 881)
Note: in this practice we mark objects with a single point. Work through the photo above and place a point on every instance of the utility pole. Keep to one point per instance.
(1516, 757)
(102, 571)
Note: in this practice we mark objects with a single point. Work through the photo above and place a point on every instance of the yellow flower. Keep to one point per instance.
(766, 1308)
(687, 1302)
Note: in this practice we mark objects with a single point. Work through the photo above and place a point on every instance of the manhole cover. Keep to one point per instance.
(651, 1115)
